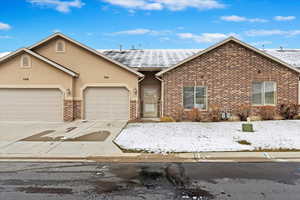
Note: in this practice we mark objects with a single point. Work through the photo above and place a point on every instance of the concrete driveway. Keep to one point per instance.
(61, 140)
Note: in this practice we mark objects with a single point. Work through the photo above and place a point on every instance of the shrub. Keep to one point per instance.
(179, 112)
(267, 112)
(244, 142)
(167, 119)
(215, 113)
(289, 111)
(244, 111)
(194, 115)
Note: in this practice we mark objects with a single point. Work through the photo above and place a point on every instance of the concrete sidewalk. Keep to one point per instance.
(146, 157)
(15, 146)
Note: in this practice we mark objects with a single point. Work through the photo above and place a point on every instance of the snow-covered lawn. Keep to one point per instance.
(201, 137)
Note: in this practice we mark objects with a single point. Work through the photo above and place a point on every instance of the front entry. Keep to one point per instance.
(150, 102)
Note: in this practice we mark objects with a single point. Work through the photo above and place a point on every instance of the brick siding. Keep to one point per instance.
(228, 72)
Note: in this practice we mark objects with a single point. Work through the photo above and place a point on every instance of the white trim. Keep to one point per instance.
(220, 44)
(41, 58)
(63, 46)
(22, 61)
(87, 48)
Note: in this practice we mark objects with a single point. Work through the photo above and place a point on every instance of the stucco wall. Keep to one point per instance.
(39, 75)
(93, 69)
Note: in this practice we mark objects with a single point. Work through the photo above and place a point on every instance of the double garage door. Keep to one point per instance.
(31, 105)
(106, 103)
(47, 104)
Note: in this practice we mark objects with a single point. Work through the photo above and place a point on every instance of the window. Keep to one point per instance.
(264, 93)
(60, 46)
(25, 61)
(195, 97)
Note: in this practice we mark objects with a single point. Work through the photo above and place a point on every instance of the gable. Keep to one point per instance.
(39, 73)
(240, 45)
(75, 45)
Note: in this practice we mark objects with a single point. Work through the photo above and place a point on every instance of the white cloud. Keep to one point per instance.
(59, 5)
(4, 54)
(4, 26)
(284, 18)
(56, 31)
(5, 37)
(206, 37)
(272, 32)
(235, 18)
(173, 5)
(141, 31)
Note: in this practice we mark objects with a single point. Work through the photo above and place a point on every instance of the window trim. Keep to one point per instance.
(63, 45)
(264, 94)
(206, 97)
(22, 61)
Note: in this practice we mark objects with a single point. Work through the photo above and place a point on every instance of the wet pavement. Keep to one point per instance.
(153, 181)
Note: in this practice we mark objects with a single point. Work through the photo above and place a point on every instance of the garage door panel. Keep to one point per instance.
(106, 104)
(31, 105)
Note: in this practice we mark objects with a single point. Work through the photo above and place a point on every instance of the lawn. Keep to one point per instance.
(210, 137)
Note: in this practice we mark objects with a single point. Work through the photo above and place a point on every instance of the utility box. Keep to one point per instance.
(247, 127)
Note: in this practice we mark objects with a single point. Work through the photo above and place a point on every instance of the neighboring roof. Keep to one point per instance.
(224, 42)
(155, 59)
(291, 56)
(56, 65)
(87, 48)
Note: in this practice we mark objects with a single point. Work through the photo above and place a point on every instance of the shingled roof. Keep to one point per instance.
(165, 58)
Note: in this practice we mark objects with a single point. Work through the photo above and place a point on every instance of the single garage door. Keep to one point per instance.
(31, 105)
(106, 103)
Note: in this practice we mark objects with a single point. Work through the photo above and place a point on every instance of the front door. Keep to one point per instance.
(150, 102)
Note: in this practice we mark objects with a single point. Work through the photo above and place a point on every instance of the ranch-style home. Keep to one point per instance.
(60, 79)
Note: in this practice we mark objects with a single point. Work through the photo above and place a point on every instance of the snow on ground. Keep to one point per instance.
(204, 137)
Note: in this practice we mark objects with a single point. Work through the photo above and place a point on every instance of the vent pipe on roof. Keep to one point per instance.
(121, 48)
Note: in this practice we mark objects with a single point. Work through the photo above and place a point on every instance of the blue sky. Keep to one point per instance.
(181, 24)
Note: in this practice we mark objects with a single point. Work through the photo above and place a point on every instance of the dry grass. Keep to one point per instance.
(244, 142)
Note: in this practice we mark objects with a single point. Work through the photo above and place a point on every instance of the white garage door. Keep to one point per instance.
(106, 104)
(31, 105)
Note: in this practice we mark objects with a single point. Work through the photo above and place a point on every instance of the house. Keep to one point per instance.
(59, 79)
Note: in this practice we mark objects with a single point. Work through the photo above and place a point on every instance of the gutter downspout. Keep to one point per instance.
(162, 95)
(138, 95)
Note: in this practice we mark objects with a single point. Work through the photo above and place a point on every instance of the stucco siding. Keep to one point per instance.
(39, 75)
(93, 69)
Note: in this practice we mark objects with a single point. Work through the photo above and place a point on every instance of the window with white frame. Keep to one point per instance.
(25, 61)
(195, 97)
(60, 46)
(264, 93)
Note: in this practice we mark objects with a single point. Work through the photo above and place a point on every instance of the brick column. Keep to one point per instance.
(68, 110)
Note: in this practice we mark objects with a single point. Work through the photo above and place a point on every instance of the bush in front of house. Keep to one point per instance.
(289, 111)
(267, 112)
(194, 115)
(214, 113)
(167, 119)
(179, 113)
(244, 111)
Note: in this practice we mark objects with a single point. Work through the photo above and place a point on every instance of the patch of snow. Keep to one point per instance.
(4, 54)
(208, 137)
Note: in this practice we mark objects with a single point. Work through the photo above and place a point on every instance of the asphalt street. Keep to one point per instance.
(153, 181)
